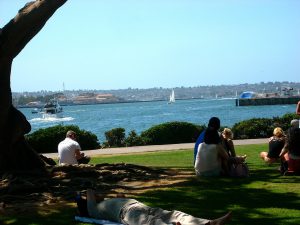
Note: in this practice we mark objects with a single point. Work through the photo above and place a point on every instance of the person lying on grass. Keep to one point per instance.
(132, 212)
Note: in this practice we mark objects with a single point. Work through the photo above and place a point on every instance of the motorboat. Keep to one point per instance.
(52, 109)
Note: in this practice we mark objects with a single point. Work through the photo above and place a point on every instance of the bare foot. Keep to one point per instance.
(222, 220)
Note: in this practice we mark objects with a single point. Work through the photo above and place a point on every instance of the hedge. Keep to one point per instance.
(46, 140)
(172, 133)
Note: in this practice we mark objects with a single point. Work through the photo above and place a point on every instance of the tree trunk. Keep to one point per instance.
(15, 153)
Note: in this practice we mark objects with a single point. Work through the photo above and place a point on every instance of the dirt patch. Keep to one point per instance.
(21, 192)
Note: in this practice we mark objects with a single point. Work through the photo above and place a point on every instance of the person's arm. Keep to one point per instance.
(91, 203)
(222, 153)
(78, 154)
(284, 151)
(231, 148)
(223, 156)
(200, 139)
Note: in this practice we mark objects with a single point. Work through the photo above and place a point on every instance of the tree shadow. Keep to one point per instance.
(253, 200)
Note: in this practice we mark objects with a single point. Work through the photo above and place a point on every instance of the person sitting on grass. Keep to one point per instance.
(290, 153)
(214, 122)
(276, 143)
(132, 212)
(69, 151)
(227, 136)
(211, 159)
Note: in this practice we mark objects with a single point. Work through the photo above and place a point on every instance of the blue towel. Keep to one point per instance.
(95, 221)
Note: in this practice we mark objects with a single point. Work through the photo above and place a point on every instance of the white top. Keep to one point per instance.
(207, 159)
(66, 151)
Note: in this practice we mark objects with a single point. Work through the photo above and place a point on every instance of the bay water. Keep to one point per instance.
(140, 116)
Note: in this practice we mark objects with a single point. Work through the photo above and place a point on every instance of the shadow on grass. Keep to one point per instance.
(253, 200)
(55, 215)
(265, 197)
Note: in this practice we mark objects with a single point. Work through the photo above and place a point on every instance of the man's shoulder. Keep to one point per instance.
(69, 141)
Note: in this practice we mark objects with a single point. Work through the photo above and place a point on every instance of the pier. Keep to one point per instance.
(267, 101)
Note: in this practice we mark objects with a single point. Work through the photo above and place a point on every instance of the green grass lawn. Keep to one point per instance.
(264, 198)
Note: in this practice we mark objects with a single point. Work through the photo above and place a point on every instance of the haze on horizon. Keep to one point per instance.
(119, 44)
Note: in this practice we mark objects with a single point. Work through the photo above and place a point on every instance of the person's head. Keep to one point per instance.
(214, 122)
(71, 134)
(211, 136)
(295, 123)
(227, 133)
(278, 132)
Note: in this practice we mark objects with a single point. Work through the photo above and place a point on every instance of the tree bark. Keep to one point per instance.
(15, 153)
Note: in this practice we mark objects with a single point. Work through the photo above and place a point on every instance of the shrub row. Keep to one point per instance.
(166, 133)
(46, 140)
(261, 127)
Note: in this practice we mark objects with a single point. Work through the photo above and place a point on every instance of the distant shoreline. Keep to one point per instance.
(99, 103)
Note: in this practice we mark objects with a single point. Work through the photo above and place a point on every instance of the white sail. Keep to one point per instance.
(172, 97)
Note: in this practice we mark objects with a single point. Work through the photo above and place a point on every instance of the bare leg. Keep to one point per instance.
(222, 220)
(263, 155)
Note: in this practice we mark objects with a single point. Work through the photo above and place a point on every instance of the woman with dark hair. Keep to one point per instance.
(211, 158)
(291, 151)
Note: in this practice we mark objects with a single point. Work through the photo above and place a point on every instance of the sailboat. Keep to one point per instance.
(172, 97)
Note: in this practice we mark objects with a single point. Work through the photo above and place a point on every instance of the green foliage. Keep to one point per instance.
(115, 137)
(172, 133)
(261, 127)
(269, 197)
(46, 140)
(285, 121)
(253, 128)
(134, 140)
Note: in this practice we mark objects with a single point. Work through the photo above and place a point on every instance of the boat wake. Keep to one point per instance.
(51, 119)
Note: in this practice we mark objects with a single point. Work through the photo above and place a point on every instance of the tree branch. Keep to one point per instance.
(26, 24)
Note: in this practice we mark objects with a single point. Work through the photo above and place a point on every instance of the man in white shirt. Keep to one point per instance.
(69, 150)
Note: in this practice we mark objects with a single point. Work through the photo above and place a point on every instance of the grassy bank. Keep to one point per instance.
(263, 198)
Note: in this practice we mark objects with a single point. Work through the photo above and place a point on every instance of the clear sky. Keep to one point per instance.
(116, 44)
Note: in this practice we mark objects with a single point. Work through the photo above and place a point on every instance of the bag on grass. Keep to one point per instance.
(239, 170)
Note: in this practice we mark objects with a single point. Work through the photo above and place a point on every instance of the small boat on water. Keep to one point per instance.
(172, 97)
(51, 109)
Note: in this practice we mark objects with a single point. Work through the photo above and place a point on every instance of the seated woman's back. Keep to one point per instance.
(207, 163)
(210, 155)
(275, 146)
